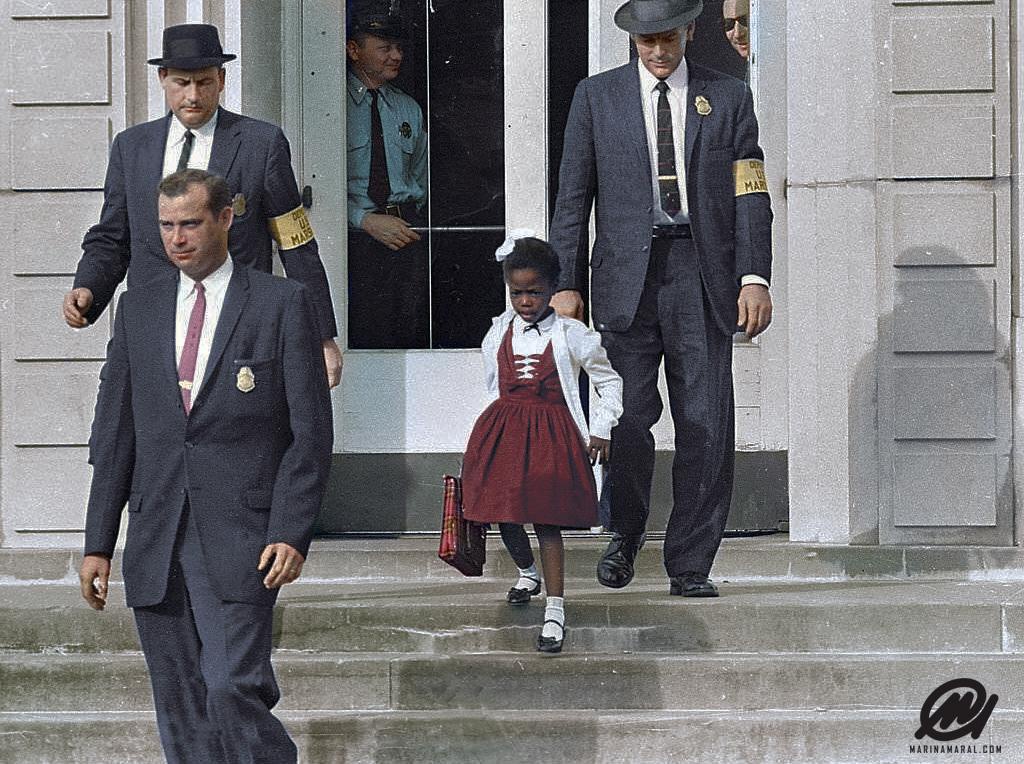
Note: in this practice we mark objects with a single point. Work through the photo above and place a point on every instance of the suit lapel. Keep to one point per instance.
(696, 87)
(226, 140)
(234, 303)
(152, 171)
(158, 336)
(634, 125)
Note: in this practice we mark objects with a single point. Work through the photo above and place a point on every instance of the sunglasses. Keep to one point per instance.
(728, 24)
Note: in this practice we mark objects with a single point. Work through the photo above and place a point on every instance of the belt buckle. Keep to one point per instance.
(394, 210)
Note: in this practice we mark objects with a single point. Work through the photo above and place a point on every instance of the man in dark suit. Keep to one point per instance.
(254, 158)
(213, 424)
(681, 259)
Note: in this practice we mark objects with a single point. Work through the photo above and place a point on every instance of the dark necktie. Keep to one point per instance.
(186, 150)
(190, 351)
(668, 183)
(379, 188)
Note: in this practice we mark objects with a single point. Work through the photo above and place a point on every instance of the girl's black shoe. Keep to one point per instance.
(550, 644)
(522, 596)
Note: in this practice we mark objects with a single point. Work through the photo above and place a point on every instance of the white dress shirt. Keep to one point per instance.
(678, 86)
(202, 145)
(216, 285)
(530, 343)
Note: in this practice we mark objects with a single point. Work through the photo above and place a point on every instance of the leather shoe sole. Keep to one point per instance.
(692, 585)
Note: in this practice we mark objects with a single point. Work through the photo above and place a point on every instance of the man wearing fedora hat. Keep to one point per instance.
(681, 261)
(253, 156)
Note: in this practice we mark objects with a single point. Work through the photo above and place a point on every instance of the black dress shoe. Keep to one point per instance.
(522, 596)
(615, 569)
(550, 644)
(692, 584)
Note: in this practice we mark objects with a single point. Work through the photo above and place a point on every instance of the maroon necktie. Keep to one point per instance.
(187, 365)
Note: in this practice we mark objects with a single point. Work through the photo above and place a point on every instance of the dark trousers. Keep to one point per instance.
(388, 294)
(209, 664)
(674, 322)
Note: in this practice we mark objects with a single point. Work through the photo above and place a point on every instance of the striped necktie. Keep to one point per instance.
(668, 182)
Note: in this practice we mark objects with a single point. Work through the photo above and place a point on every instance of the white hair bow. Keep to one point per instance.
(510, 242)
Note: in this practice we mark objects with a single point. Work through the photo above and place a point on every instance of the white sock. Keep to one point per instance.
(554, 610)
(528, 578)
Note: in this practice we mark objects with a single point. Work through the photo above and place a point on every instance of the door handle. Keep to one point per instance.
(307, 197)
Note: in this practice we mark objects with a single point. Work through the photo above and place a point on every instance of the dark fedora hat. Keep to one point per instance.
(192, 46)
(653, 16)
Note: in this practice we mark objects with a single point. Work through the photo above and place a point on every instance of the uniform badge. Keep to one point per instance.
(238, 205)
(405, 129)
(246, 381)
(703, 105)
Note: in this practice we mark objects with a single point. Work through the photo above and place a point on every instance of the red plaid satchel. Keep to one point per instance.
(463, 543)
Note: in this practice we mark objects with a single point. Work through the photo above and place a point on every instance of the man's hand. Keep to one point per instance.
(568, 303)
(755, 309)
(76, 304)
(287, 564)
(394, 233)
(333, 361)
(93, 577)
(599, 450)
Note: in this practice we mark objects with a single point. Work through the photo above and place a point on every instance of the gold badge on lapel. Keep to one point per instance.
(246, 381)
(405, 129)
(238, 205)
(703, 105)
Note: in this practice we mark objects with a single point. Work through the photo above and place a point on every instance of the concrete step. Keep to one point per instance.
(509, 681)
(463, 616)
(616, 737)
(740, 559)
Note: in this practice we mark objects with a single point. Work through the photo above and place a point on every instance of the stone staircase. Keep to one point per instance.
(812, 654)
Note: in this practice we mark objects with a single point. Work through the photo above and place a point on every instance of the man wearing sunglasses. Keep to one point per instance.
(736, 23)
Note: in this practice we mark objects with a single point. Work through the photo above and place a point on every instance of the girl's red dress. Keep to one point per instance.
(525, 461)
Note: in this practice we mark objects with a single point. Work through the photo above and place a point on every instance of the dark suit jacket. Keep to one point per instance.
(605, 159)
(255, 159)
(252, 465)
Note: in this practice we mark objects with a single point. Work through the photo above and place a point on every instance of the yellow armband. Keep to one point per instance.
(750, 177)
(292, 229)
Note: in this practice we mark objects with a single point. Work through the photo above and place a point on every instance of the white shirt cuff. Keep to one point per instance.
(752, 278)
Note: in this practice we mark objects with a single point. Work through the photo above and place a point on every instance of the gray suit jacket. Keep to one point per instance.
(253, 157)
(252, 463)
(606, 162)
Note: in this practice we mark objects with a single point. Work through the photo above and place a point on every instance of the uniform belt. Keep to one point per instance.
(404, 210)
(672, 232)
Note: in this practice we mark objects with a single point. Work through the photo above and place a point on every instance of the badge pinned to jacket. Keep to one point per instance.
(703, 105)
(246, 380)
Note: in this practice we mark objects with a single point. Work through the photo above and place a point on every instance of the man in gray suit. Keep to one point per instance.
(213, 424)
(681, 261)
(253, 156)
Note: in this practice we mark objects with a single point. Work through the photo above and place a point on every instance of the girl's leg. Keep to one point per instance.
(518, 545)
(552, 558)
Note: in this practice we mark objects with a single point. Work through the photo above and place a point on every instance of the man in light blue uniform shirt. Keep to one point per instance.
(387, 188)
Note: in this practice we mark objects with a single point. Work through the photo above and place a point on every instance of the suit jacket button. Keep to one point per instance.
(602, 326)
(189, 444)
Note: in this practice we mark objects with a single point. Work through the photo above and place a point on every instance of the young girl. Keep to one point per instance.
(530, 456)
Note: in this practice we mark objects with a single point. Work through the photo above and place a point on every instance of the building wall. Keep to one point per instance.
(899, 224)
